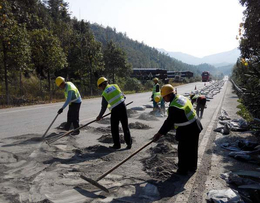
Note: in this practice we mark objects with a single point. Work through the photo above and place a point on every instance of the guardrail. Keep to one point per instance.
(236, 86)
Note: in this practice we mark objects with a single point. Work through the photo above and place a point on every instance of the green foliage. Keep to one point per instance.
(246, 72)
(132, 84)
(116, 64)
(250, 38)
(39, 41)
(244, 113)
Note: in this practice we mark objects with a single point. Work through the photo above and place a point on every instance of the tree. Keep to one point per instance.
(250, 38)
(85, 57)
(47, 54)
(116, 64)
(14, 47)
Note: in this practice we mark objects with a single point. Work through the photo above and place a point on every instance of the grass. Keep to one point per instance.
(244, 112)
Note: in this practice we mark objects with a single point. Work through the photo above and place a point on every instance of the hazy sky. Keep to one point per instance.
(195, 27)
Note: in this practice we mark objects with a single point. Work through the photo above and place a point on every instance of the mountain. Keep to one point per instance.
(217, 60)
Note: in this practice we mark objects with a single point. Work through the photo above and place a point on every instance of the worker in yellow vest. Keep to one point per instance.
(73, 99)
(155, 93)
(158, 99)
(183, 118)
(113, 98)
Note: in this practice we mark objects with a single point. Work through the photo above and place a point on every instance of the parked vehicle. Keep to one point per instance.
(206, 77)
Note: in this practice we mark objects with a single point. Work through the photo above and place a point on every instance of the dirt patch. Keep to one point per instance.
(138, 125)
(104, 121)
(108, 138)
(159, 166)
(147, 117)
(131, 113)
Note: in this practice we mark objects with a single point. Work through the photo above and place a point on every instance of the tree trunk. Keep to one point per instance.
(6, 77)
(21, 84)
(49, 85)
(90, 79)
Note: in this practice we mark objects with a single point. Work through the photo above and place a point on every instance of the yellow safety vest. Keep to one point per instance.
(154, 88)
(184, 103)
(72, 87)
(113, 95)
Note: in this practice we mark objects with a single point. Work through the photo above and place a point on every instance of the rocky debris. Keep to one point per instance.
(159, 166)
(104, 121)
(247, 183)
(165, 148)
(138, 108)
(228, 125)
(225, 195)
(97, 149)
(148, 106)
(108, 138)
(131, 113)
(163, 159)
(147, 117)
(138, 125)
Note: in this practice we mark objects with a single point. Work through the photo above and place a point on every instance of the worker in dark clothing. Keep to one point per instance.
(113, 98)
(200, 101)
(73, 99)
(183, 118)
(156, 97)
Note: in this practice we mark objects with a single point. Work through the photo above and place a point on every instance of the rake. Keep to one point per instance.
(95, 182)
(54, 139)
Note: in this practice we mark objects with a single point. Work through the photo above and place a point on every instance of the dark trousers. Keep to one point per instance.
(200, 107)
(73, 116)
(119, 113)
(188, 152)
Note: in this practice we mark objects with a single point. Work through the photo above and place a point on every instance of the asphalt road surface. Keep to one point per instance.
(37, 118)
(32, 171)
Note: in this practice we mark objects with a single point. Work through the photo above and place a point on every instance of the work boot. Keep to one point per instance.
(129, 146)
(75, 132)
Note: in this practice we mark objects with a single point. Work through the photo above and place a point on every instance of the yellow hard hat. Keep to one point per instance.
(167, 89)
(59, 80)
(157, 98)
(101, 80)
(156, 79)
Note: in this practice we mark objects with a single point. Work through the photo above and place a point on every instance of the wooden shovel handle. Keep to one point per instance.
(102, 176)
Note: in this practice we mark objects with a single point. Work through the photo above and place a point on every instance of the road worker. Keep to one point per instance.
(183, 118)
(113, 98)
(73, 99)
(200, 101)
(157, 98)
(156, 93)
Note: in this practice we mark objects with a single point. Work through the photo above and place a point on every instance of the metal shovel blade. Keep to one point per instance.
(95, 183)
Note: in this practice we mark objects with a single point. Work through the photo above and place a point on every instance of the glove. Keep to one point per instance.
(60, 111)
(157, 137)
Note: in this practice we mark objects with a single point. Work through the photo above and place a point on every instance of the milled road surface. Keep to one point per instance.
(32, 171)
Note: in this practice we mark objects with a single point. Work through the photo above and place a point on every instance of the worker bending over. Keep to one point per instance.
(113, 98)
(200, 101)
(183, 118)
(73, 99)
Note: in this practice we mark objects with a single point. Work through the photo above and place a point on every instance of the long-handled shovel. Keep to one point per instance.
(49, 126)
(54, 139)
(95, 182)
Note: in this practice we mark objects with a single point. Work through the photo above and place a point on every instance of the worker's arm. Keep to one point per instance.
(167, 125)
(66, 102)
(103, 108)
(169, 122)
